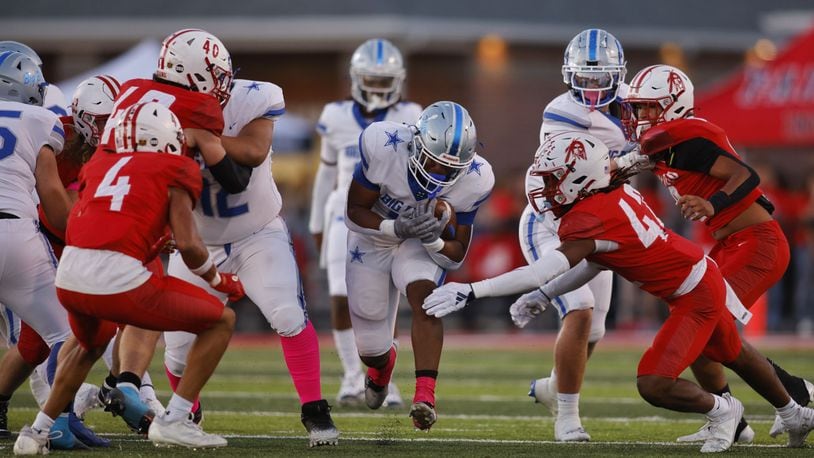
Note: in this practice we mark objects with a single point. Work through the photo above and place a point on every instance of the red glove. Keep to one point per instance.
(230, 285)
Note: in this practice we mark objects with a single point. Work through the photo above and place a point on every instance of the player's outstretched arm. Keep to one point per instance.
(233, 177)
(252, 144)
(54, 199)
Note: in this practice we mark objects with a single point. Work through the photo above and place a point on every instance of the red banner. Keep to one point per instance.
(767, 106)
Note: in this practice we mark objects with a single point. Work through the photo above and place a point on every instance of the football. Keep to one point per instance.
(449, 230)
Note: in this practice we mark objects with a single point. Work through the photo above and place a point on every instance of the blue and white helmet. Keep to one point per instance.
(21, 79)
(445, 135)
(377, 74)
(16, 46)
(593, 68)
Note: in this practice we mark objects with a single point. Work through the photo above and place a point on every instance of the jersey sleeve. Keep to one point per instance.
(186, 175)
(56, 138)
(561, 115)
(576, 225)
(274, 101)
(476, 187)
(325, 128)
(372, 169)
(199, 111)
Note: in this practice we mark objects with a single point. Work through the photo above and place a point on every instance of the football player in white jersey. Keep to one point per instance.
(31, 138)
(245, 232)
(395, 244)
(594, 71)
(377, 75)
(54, 99)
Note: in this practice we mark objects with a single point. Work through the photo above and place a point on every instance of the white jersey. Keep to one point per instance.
(222, 217)
(55, 100)
(340, 125)
(384, 168)
(24, 130)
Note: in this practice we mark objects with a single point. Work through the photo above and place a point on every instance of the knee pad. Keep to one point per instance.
(173, 364)
(597, 325)
(288, 320)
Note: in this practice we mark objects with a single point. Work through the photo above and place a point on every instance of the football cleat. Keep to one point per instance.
(61, 436)
(31, 442)
(198, 414)
(567, 433)
(423, 415)
(778, 428)
(316, 417)
(393, 399)
(374, 394)
(743, 435)
(124, 401)
(545, 393)
(352, 389)
(84, 434)
(87, 398)
(800, 426)
(184, 433)
(722, 429)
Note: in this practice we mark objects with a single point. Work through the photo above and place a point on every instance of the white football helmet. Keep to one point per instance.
(92, 105)
(571, 166)
(377, 74)
(593, 68)
(16, 46)
(197, 60)
(148, 127)
(657, 94)
(21, 79)
(444, 135)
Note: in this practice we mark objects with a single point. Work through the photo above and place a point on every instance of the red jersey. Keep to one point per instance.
(124, 201)
(195, 110)
(690, 175)
(646, 253)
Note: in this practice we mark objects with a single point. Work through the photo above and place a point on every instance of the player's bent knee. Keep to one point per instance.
(652, 389)
(228, 318)
(597, 332)
(288, 321)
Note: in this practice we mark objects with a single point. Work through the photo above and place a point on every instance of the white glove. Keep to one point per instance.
(528, 306)
(414, 225)
(447, 299)
(633, 162)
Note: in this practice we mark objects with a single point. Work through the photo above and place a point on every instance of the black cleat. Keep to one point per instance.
(316, 417)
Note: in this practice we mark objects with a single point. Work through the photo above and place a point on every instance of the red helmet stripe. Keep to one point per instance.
(111, 83)
(169, 40)
(135, 111)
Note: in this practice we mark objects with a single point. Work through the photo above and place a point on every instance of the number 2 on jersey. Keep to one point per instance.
(117, 190)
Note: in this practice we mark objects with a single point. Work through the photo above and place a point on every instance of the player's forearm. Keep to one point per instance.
(579, 275)
(252, 145)
(523, 279)
(365, 221)
(324, 183)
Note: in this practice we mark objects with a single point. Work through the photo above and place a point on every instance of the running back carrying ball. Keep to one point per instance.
(449, 230)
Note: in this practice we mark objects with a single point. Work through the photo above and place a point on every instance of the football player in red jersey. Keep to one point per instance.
(711, 183)
(612, 227)
(138, 194)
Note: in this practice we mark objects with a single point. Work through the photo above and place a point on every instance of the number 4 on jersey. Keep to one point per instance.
(648, 229)
(117, 190)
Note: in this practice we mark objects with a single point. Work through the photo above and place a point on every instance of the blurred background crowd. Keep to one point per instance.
(752, 63)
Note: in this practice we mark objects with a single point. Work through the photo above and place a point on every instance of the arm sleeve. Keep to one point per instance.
(324, 183)
(233, 177)
(525, 278)
(579, 275)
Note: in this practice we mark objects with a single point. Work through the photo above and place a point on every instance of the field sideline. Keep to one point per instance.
(482, 404)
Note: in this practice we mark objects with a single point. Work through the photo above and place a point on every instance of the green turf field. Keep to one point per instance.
(482, 405)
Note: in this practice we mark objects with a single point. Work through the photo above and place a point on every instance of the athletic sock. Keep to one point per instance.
(43, 422)
(794, 385)
(178, 408)
(425, 386)
(381, 377)
(129, 378)
(348, 353)
(175, 380)
(301, 354)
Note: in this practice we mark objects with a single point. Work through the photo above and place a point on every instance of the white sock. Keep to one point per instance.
(39, 387)
(719, 408)
(348, 353)
(43, 422)
(178, 408)
(787, 412)
(567, 405)
(147, 392)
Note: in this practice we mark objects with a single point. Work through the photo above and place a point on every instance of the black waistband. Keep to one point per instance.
(4, 215)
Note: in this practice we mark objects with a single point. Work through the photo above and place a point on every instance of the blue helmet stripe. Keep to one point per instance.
(4, 56)
(379, 52)
(458, 120)
(592, 44)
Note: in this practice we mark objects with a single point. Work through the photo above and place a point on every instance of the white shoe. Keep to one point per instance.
(352, 390)
(722, 428)
(570, 432)
(544, 392)
(182, 432)
(87, 398)
(745, 437)
(31, 442)
(393, 399)
(799, 427)
(154, 404)
(778, 428)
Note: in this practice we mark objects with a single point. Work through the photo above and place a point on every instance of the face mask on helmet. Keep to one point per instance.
(658, 94)
(593, 68)
(148, 127)
(443, 146)
(21, 79)
(92, 105)
(377, 74)
(198, 60)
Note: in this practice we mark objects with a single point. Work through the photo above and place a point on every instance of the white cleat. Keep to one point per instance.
(352, 390)
(545, 393)
(570, 432)
(799, 427)
(722, 429)
(31, 442)
(745, 437)
(393, 399)
(86, 399)
(778, 428)
(154, 404)
(183, 433)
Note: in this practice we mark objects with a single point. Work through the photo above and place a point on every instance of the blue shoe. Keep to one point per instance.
(124, 401)
(61, 436)
(84, 434)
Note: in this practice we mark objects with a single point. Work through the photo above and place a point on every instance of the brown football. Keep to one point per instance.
(449, 230)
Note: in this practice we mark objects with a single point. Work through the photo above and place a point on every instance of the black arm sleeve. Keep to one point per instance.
(699, 154)
(233, 177)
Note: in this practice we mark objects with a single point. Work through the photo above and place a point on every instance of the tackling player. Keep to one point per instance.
(394, 243)
(611, 227)
(377, 75)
